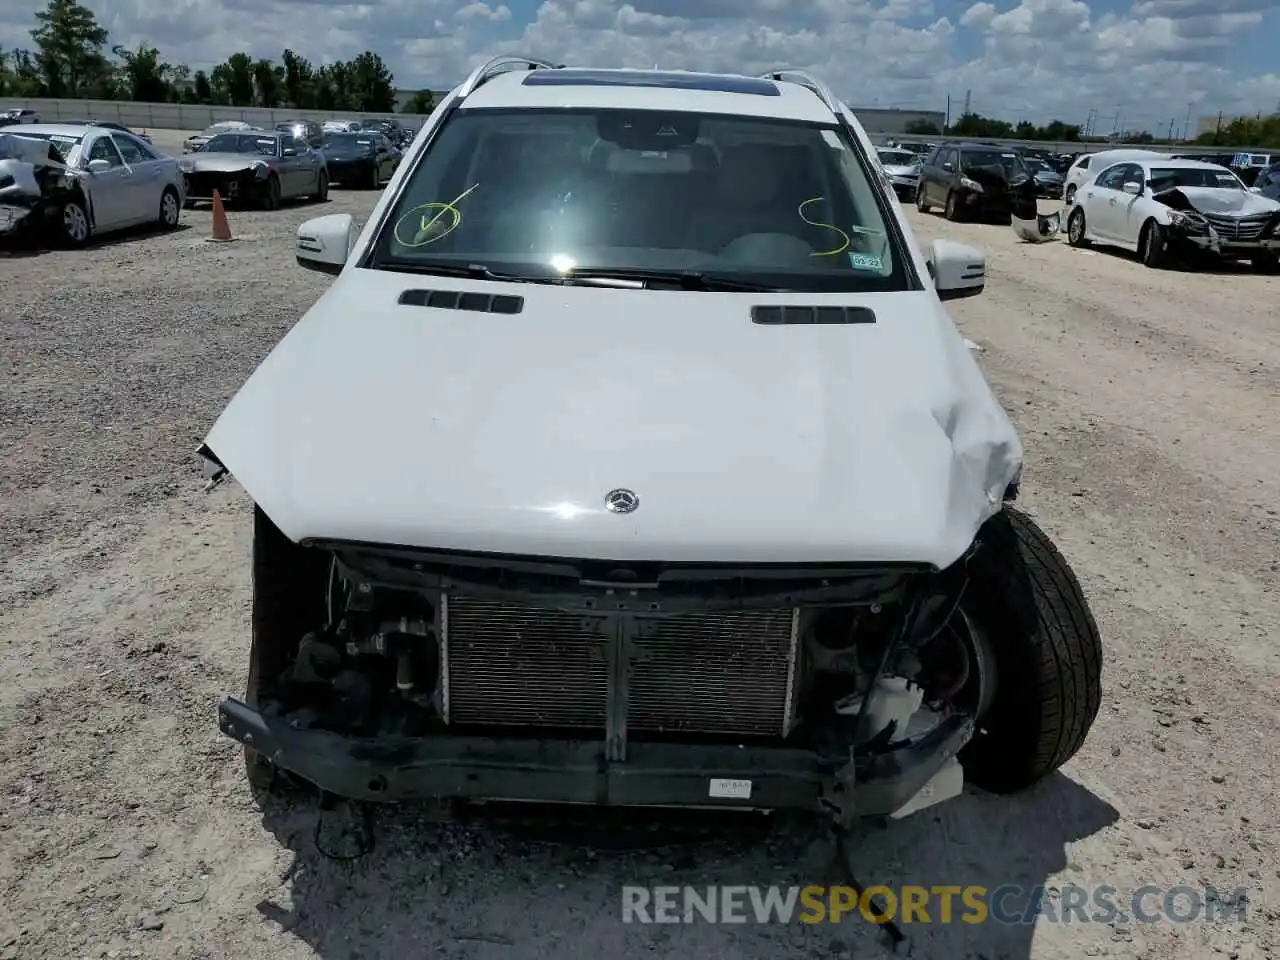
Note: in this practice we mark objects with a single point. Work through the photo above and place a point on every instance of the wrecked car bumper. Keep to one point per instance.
(1229, 249)
(239, 187)
(577, 771)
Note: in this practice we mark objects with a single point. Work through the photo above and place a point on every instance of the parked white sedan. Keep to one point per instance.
(121, 181)
(1164, 209)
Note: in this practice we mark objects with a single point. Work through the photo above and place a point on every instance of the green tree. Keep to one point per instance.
(976, 125)
(232, 81)
(299, 81)
(144, 76)
(69, 42)
(424, 101)
(268, 83)
(370, 85)
(926, 128)
(202, 87)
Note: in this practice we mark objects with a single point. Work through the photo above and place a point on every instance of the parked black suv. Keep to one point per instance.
(307, 130)
(970, 181)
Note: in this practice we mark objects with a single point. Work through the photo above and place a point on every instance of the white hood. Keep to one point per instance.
(1234, 202)
(449, 429)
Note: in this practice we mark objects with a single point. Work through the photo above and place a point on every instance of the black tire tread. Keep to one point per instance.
(1048, 652)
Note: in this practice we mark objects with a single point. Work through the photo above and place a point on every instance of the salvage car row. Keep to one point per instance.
(65, 183)
(1169, 210)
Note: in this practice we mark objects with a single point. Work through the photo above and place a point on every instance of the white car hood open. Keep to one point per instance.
(1238, 203)
(744, 443)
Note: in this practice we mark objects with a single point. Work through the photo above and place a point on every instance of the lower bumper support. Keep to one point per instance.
(569, 771)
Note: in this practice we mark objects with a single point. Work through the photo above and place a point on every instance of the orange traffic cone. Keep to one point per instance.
(221, 228)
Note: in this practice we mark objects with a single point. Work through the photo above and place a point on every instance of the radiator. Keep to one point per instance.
(513, 664)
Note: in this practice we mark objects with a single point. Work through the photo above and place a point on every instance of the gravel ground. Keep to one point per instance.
(1147, 402)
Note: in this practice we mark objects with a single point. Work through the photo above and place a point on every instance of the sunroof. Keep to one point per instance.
(645, 78)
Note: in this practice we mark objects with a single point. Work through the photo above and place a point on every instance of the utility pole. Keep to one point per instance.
(1170, 137)
(947, 124)
(1186, 127)
(968, 94)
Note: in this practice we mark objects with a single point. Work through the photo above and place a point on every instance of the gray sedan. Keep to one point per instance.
(118, 181)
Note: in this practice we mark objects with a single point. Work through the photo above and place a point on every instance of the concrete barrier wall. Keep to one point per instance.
(177, 116)
(181, 116)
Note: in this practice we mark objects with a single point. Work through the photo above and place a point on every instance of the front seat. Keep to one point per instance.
(748, 199)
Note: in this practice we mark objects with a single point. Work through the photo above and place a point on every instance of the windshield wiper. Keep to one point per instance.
(471, 271)
(624, 277)
(679, 279)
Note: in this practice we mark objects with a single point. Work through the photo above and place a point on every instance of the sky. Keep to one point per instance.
(1148, 62)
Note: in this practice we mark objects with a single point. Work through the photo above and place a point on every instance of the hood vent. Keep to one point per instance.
(782, 316)
(458, 300)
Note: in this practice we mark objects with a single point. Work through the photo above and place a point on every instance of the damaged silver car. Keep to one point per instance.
(1174, 211)
(68, 183)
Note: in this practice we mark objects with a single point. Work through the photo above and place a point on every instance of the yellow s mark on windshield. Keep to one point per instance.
(825, 226)
(431, 221)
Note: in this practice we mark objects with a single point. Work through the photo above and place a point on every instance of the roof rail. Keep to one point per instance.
(487, 71)
(806, 79)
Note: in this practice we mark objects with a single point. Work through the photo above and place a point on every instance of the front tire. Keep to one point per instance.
(322, 187)
(952, 210)
(1151, 246)
(289, 601)
(1076, 227)
(1028, 606)
(270, 198)
(75, 229)
(922, 203)
(170, 209)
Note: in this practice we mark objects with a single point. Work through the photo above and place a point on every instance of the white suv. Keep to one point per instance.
(633, 458)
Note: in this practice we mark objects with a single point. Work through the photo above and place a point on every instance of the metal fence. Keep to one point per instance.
(181, 116)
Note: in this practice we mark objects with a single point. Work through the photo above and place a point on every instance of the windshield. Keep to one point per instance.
(242, 143)
(898, 158)
(1010, 162)
(62, 144)
(781, 204)
(1166, 178)
(349, 141)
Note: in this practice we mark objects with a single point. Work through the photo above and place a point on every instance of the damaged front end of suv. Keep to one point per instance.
(430, 675)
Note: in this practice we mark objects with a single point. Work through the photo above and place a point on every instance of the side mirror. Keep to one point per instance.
(99, 166)
(1132, 187)
(289, 152)
(948, 166)
(958, 270)
(324, 242)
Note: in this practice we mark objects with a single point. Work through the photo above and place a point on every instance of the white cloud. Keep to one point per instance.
(979, 16)
(1031, 58)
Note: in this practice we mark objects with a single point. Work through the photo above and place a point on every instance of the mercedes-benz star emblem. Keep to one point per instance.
(621, 501)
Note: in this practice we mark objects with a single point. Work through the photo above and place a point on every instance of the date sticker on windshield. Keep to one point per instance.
(730, 789)
(863, 261)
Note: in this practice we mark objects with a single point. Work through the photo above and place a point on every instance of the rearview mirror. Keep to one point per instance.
(1133, 187)
(958, 270)
(325, 242)
(99, 166)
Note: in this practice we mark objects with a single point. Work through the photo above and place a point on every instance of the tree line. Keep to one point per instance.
(1259, 131)
(988, 128)
(71, 58)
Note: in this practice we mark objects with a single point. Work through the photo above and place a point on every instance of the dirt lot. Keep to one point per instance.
(1148, 403)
